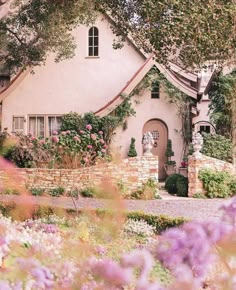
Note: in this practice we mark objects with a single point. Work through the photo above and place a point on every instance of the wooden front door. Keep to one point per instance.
(160, 135)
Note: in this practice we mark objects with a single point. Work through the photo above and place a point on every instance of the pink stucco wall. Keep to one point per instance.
(80, 84)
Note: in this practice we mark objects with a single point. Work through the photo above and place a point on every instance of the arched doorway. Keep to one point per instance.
(160, 135)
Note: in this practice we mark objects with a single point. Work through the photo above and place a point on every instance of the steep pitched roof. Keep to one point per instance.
(139, 75)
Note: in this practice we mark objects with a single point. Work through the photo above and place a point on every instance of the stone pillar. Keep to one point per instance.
(195, 184)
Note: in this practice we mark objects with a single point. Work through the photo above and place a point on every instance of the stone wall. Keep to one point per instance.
(131, 172)
(197, 163)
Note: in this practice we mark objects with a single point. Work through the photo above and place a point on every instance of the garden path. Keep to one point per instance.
(190, 208)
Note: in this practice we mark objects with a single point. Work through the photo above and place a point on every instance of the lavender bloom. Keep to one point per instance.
(187, 246)
(44, 279)
(101, 250)
(5, 285)
(111, 272)
(229, 211)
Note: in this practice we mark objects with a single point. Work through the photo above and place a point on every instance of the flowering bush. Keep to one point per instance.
(68, 149)
(139, 227)
(38, 255)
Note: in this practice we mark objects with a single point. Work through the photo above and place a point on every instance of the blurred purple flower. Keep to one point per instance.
(101, 250)
(111, 272)
(89, 146)
(55, 133)
(229, 211)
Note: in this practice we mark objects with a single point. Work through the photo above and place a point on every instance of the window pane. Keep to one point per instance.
(32, 126)
(90, 41)
(40, 127)
(95, 51)
(54, 124)
(95, 31)
(96, 41)
(91, 31)
(90, 51)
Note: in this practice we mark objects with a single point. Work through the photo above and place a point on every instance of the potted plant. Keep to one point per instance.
(183, 169)
(170, 165)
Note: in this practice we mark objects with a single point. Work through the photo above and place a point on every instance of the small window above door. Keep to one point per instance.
(155, 92)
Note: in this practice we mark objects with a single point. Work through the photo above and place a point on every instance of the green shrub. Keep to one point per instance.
(182, 186)
(170, 184)
(160, 223)
(149, 190)
(199, 195)
(88, 192)
(132, 151)
(37, 191)
(217, 184)
(217, 146)
(57, 191)
(10, 191)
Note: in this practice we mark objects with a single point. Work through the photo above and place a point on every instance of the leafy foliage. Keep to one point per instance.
(218, 184)
(170, 30)
(221, 103)
(149, 190)
(217, 146)
(182, 186)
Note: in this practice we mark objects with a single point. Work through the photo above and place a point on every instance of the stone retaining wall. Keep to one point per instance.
(131, 172)
(197, 163)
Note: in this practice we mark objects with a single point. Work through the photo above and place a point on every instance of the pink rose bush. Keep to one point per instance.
(44, 254)
(67, 149)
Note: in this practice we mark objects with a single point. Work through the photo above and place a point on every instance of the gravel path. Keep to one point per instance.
(190, 208)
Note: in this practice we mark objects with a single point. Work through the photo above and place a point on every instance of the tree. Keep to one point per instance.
(221, 99)
(189, 32)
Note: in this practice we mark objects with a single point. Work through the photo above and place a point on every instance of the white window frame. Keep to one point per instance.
(46, 122)
(14, 130)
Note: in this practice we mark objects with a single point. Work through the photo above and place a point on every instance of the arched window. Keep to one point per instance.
(93, 41)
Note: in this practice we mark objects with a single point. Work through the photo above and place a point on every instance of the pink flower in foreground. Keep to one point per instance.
(63, 133)
(32, 138)
(42, 142)
(55, 133)
(81, 131)
(76, 138)
(55, 139)
(89, 127)
(89, 146)
(93, 137)
(68, 132)
(105, 146)
(100, 132)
